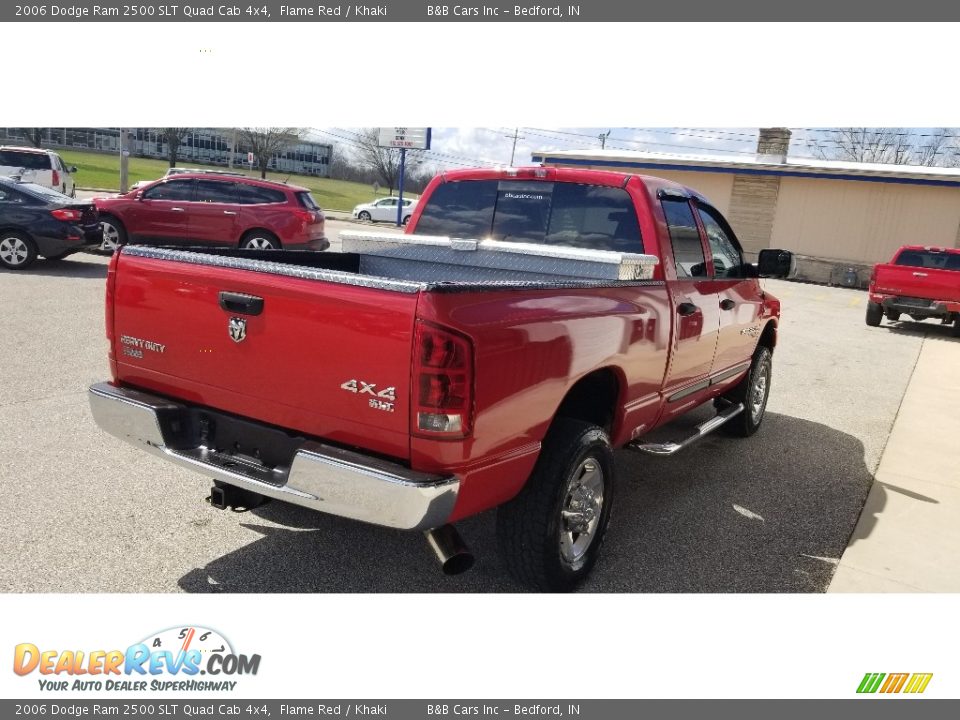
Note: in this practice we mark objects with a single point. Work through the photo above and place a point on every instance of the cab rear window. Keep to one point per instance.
(548, 213)
(929, 259)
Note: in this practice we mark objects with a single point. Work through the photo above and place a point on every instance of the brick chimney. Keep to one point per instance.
(773, 145)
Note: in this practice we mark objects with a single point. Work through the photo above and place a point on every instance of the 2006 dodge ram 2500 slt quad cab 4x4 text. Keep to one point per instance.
(530, 321)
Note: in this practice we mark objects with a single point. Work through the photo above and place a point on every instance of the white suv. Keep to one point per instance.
(41, 167)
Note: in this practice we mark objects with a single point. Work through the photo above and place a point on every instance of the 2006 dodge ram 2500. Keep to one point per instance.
(530, 321)
(920, 281)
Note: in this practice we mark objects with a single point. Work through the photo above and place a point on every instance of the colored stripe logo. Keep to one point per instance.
(913, 683)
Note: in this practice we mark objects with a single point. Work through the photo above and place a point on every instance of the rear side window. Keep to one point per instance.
(256, 195)
(684, 238)
(27, 160)
(307, 201)
(568, 214)
(173, 190)
(929, 259)
(216, 191)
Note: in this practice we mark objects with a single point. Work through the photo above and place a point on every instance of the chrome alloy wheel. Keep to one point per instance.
(580, 514)
(260, 243)
(111, 237)
(759, 389)
(13, 251)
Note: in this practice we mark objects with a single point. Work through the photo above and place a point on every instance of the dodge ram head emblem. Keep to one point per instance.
(237, 328)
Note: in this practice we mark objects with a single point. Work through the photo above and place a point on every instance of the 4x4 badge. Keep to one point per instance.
(237, 327)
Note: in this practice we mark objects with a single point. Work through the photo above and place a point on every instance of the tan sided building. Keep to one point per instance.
(839, 218)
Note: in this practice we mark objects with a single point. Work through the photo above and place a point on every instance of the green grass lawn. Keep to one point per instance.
(97, 170)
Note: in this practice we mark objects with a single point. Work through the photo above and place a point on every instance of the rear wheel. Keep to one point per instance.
(753, 391)
(874, 314)
(260, 240)
(406, 219)
(892, 316)
(114, 233)
(956, 326)
(17, 251)
(550, 535)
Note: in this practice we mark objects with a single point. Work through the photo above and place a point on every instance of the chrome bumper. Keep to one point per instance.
(320, 477)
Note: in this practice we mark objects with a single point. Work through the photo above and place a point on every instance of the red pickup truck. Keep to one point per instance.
(920, 281)
(530, 321)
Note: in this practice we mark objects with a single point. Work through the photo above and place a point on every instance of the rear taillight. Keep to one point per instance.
(309, 217)
(67, 214)
(442, 393)
(56, 178)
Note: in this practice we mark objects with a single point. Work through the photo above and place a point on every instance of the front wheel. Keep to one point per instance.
(364, 216)
(550, 535)
(753, 391)
(874, 314)
(114, 234)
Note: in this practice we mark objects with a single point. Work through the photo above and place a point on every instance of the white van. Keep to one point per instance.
(38, 166)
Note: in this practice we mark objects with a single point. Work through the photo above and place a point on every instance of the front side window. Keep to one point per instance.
(727, 260)
(177, 190)
(549, 213)
(684, 238)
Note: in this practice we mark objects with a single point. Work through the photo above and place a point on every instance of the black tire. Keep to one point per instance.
(753, 391)
(17, 251)
(892, 315)
(874, 313)
(536, 543)
(955, 332)
(406, 219)
(114, 234)
(260, 240)
(364, 216)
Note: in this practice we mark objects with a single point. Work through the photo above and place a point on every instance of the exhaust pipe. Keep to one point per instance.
(452, 552)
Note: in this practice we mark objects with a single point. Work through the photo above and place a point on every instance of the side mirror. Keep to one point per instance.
(139, 195)
(776, 263)
(72, 169)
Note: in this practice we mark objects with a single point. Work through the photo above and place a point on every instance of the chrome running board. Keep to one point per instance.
(702, 430)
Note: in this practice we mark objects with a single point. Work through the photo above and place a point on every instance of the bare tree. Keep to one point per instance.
(173, 137)
(34, 136)
(384, 162)
(894, 146)
(266, 143)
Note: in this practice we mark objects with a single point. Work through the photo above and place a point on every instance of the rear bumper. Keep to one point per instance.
(320, 477)
(64, 237)
(915, 306)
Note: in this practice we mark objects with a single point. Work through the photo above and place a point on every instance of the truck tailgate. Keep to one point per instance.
(322, 358)
(918, 282)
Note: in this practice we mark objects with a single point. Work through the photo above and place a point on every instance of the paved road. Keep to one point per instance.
(86, 513)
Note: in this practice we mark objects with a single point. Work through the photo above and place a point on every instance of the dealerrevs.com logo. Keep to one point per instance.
(172, 659)
(891, 683)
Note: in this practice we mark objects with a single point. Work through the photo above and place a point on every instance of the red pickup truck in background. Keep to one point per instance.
(920, 281)
(531, 320)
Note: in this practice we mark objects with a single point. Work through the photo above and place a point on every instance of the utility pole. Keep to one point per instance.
(516, 136)
(124, 158)
(603, 138)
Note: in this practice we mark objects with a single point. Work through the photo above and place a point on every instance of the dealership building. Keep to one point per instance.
(839, 218)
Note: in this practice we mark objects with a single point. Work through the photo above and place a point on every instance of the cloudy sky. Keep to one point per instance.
(469, 147)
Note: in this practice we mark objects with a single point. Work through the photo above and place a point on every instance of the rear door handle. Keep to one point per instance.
(176, 209)
(241, 303)
(918, 274)
(727, 304)
(686, 308)
(229, 212)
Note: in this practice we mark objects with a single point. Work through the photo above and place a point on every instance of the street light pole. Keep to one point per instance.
(124, 159)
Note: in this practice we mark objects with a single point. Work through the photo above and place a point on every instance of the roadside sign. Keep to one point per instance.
(250, 158)
(405, 138)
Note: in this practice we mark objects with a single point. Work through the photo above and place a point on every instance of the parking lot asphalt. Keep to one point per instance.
(772, 513)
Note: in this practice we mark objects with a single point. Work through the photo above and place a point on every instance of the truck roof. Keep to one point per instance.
(573, 175)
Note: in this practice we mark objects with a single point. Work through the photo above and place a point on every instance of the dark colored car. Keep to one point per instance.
(203, 209)
(35, 220)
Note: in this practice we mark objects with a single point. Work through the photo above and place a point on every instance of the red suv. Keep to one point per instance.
(197, 209)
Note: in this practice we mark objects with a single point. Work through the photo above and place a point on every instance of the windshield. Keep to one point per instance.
(549, 213)
(932, 259)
